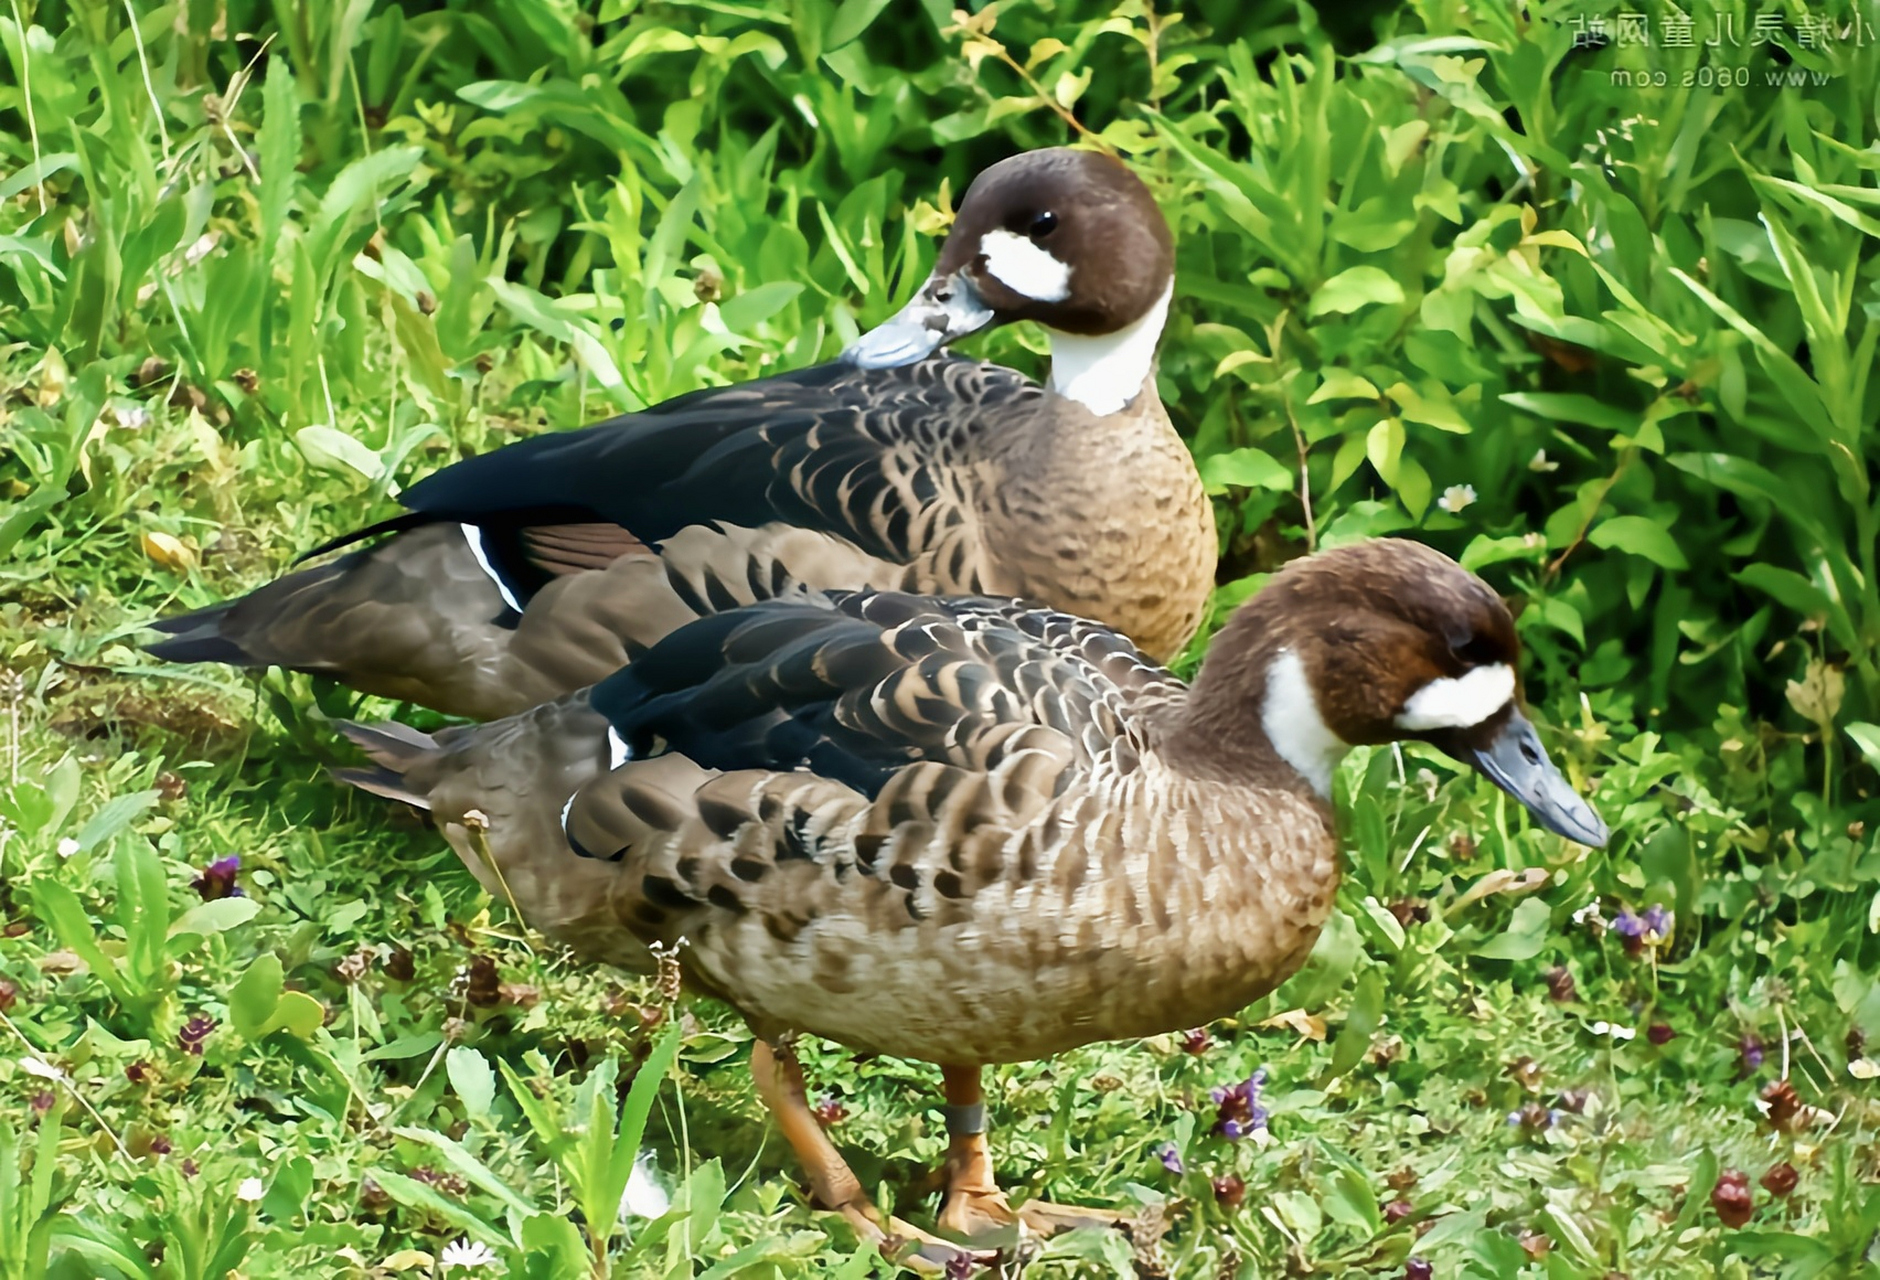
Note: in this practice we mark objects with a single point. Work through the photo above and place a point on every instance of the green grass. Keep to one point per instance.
(245, 293)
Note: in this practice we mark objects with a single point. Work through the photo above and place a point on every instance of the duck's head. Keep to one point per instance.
(1387, 641)
(1071, 239)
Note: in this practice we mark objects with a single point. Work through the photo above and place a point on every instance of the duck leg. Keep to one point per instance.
(976, 1210)
(779, 1079)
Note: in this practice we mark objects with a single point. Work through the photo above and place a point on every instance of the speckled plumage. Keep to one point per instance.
(948, 476)
(967, 830)
(1041, 877)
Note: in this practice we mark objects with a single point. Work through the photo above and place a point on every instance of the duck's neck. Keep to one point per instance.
(1251, 716)
(1105, 372)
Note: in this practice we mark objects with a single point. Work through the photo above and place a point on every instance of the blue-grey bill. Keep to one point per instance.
(1515, 761)
(946, 309)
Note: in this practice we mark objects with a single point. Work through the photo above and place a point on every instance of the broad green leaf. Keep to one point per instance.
(298, 1014)
(206, 918)
(1247, 468)
(252, 1000)
(1641, 537)
(280, 150)
(747, 310)
(851, 18)
(115, 815)
(1354, 1038)
(1342, 384)
(469, 1166)
(612, 1168)
(471, 1077)
(1867, 738)
(1572, 407)
(556, 1237)
(412, 1046)
(420, 1195)
(1354, 289)
(330, 450)
(32, 174)
(541, 1117)
(1525, 935)
(1413, 487)
(71, 924)
(542, 315)
(1414, 406)
(1483, 550)
(1351, 1202)
(1384, 445)
(1787, 587)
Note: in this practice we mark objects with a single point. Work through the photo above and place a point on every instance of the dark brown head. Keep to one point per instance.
(1384, 641)
(1071, 239)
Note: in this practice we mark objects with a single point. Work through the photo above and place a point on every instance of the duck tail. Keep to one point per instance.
(199, 637)
(394, 749)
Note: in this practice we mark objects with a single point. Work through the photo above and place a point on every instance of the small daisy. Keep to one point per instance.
(467, 1253)
(1456, 497)
(644, 1197)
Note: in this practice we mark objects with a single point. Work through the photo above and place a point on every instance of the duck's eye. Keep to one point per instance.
(1043, 225)
(1476, 651)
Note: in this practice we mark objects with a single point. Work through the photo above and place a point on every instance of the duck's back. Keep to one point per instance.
(548, 564)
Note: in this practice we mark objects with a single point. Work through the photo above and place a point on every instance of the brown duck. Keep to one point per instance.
(970, 831)
(542, 567)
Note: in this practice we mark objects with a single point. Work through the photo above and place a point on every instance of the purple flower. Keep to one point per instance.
(194, 1032)
(1238, 1110)
(1750, 1050)
(218, 879)
(1171, 1159)
(1658, 920)
(1627, 925)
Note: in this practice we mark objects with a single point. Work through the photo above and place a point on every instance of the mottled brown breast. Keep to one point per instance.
(1103, 517)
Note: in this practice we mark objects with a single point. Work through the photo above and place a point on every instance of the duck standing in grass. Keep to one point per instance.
(542, 567)
(971, 831)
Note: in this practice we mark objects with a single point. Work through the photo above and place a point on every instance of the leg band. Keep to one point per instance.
(964, 1122)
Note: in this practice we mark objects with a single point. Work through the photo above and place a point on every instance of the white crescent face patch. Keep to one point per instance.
(1024, 268)
(1459, 702)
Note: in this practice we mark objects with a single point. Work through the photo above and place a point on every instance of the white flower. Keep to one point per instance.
(67, 847)
(40, 1067)
(644, 1197)
(467, 1253)
(1613, 1029)
(1456, 497)
(250, 1190)
(1539, 462)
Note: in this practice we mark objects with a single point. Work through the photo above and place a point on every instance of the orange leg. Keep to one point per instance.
(779, 1080)
(976, 1210)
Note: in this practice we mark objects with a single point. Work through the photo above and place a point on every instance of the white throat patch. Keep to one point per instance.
(1104, 373)
(1459, 702)
(1024, 267)
(1294, 726)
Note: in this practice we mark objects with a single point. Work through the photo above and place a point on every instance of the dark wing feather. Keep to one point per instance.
(832, 448)
(856, 686)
